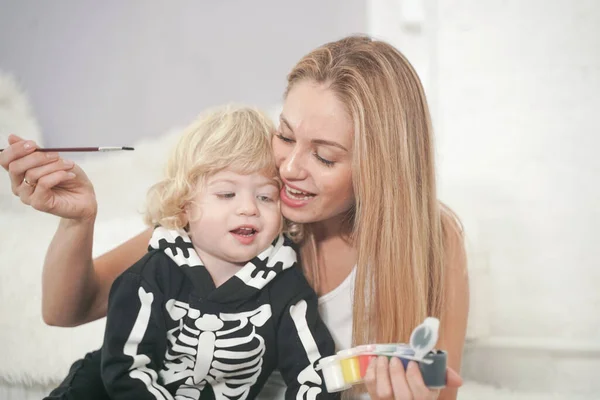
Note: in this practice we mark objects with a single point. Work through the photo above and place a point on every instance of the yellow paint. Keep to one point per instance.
(350, 370)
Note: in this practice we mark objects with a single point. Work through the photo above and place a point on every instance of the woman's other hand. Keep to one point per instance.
(47, 182)
(387, 380)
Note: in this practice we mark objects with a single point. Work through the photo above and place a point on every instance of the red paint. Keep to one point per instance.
(363, 363)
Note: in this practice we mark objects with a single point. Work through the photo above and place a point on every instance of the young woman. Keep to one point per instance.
(355, 153)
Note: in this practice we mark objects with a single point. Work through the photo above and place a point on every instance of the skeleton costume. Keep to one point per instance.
(171, 334)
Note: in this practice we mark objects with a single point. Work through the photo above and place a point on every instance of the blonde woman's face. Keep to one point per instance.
(234, 217)
(313, 151)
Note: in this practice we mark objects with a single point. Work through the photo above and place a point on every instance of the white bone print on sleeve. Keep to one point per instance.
(139, 369)
(308, 374)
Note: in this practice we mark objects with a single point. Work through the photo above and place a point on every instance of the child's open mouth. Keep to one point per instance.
(245, 234)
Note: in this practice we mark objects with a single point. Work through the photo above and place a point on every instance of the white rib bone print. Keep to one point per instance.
(230, 372)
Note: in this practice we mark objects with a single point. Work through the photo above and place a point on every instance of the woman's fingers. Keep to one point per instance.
(416, 384)
(46, 182)
(16, 150)
(33, 175)
(384, 386)
(389, 380)
(24, 182)
(370, 379)
(17, 168)
(399, 380)
(453, 379)
(12, 139)
(43, 198)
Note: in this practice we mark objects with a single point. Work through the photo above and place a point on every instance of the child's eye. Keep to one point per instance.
(226, 195)
(266, 199)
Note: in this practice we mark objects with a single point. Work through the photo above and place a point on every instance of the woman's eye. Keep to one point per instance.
(324, 161)
(283, 138)
(227, 195)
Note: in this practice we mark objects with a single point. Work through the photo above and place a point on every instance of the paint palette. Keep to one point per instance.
(348, 367)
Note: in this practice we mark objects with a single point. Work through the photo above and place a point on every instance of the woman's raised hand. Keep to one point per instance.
(47, 182)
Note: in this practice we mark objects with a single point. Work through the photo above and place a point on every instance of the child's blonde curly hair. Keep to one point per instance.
(233, 137)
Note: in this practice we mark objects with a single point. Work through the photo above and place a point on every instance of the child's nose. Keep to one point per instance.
(248, 207)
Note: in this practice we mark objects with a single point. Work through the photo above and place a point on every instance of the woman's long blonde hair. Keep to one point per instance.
(397, 226)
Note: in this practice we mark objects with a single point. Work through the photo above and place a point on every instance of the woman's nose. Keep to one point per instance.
(293, 166)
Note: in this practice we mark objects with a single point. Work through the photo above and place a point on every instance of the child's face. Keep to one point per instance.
(234, 217)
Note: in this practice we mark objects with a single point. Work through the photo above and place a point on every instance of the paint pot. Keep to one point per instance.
(404, 348)
(366, 353)
(332, 373)
(434, 374)
(350, 366)
(385, 349)
(404, 351)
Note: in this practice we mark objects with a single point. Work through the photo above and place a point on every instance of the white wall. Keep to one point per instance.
(519, 90)
(518, 96)
(102, 73)
(515, 87)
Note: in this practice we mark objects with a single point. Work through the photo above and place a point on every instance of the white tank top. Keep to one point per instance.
(335, 309)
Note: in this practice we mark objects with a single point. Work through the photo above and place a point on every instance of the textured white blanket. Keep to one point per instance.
(31, 351)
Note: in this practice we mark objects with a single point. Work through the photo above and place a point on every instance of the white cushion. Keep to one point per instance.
(17, 118)
(33, 352)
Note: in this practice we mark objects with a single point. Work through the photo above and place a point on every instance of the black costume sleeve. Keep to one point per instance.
(135, 338)
(303, 339)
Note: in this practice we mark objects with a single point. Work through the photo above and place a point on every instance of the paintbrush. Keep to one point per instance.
(81, 149)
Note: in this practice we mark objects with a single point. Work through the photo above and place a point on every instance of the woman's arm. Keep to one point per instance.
(74, 286)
